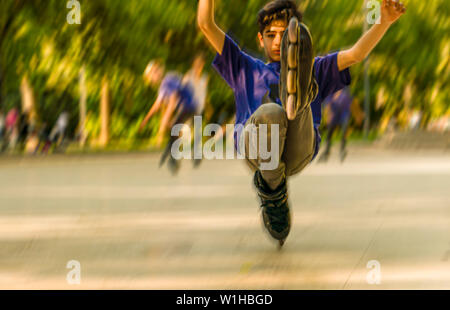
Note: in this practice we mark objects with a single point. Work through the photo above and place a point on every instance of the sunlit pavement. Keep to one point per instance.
(131, 225)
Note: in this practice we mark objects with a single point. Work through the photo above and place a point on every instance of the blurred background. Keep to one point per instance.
(93, 71)
(79, 90)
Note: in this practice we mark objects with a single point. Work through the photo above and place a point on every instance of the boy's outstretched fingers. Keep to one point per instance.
(391, 10)
(396, 4)
(399, 6)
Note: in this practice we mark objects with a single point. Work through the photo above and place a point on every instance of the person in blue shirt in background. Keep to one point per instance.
(339, 107)
(179, 98)
(255, 86)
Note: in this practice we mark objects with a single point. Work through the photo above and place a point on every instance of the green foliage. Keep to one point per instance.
(117, 39)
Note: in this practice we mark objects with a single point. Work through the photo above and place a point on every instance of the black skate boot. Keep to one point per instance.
(275, 208)
(298, 87)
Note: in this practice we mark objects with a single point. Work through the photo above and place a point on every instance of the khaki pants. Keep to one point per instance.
(296, 142)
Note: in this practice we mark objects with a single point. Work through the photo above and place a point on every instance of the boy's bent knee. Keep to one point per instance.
(270, 113)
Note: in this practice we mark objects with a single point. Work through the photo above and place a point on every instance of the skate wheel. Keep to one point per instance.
(290, 107)
(291, 82)
(292, 30)
(292, 56)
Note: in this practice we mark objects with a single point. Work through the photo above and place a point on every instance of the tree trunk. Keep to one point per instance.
(104, 113)
(83, 96)
(28, 102)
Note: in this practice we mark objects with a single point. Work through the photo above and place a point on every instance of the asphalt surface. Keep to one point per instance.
(380, 220)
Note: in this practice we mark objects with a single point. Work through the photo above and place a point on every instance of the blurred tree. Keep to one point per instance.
(116, 40)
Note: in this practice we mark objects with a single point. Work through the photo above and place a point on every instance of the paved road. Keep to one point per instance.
(131, 225)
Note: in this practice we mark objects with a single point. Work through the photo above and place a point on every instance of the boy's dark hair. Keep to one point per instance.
(277, 10)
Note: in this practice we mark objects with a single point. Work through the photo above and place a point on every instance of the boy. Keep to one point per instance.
(296, 109)
(180, 98)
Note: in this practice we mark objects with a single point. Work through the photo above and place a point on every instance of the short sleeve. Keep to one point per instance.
(328, 76)
(231, 62)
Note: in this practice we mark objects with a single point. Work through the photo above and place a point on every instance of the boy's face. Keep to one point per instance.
(270, 39)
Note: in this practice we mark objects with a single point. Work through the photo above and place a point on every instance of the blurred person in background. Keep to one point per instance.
(58, 133)
(32, 140)
(180, 98)
(414, 120)
(303, 83)
(11, 128)
(2, 129)
(24, 130)
(168, 85)
(44, 139)
(339, 116)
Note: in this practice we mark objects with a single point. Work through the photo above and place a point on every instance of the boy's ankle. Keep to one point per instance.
(270, 187)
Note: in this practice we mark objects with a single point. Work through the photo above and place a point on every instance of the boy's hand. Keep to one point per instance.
(391, 10)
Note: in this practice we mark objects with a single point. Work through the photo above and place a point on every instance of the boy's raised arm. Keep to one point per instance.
(390, 11)
(205, 20)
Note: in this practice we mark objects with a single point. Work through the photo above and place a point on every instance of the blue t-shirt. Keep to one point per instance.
(340, 106)
(341, 102)
(251, 79)
(172, 83)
